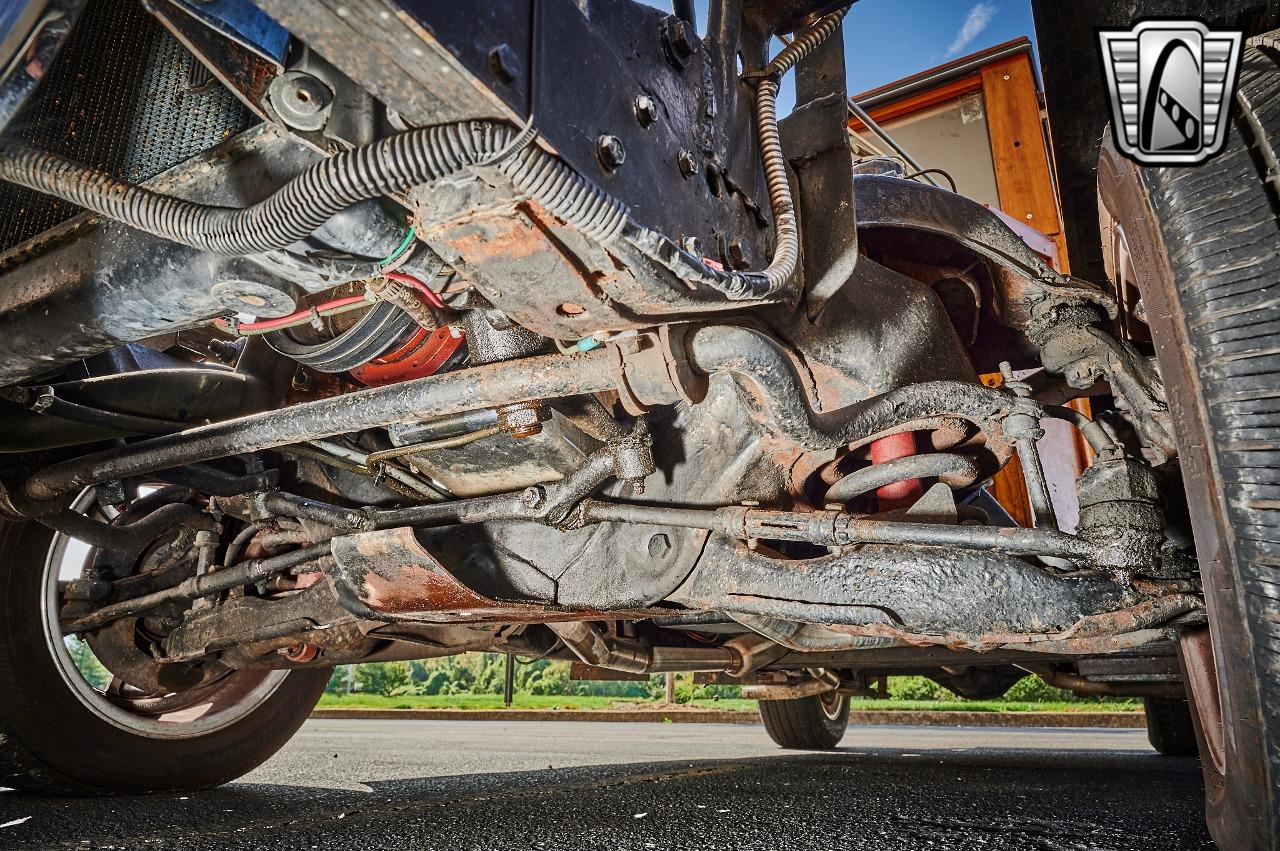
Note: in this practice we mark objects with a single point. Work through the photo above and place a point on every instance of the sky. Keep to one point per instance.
(886, 40)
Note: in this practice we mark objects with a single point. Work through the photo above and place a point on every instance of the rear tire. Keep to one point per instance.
(53, 741)
(1203, 248)
(810, 723)
(1169, 726)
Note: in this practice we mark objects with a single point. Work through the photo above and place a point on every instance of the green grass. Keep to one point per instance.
(531, 701)
(994, 706)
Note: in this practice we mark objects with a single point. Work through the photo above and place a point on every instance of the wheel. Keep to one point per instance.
(1202, 247)
(1169, 726)
(68, 726)
(816, 722)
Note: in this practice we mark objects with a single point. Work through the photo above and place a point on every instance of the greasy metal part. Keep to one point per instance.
(389, 575)
(1031, 288)
(772, 384)
(953, 470)
(1070, 344)
(427, 446)
(1121, 513)
(1026, 432)
(424, 490)
(839, 528)
(129, 537)
(808, 637)
(546, 376)
(44, 400)
(184, 394)
(403, 434)
(245, 573)
(816, 139)
(962, 598)
(808, 688)
(755, 652)
(491, 338)
(1099, 441)
(597, 648)
(522, 419)
(1082, 686)
(243, 624)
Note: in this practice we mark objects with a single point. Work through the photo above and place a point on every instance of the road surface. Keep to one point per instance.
(367, 785)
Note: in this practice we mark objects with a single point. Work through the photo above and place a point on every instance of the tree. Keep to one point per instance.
(87, 664)
(381, 677)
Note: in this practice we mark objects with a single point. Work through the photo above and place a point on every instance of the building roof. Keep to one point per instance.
(941, 74)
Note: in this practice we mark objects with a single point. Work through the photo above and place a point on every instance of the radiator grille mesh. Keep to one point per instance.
(123, 96)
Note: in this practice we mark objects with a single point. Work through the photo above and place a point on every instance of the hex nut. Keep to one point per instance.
(610, 151)
(646, 109)
(688, 163)
(680, 42)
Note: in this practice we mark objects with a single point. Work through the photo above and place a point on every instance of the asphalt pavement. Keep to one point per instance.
(578, 785)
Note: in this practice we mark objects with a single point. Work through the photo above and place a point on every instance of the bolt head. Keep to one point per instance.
(610, 151)
(692, 244)
(679, 41)
(688, 163)
(659, 545)
(532, 497)
(504, 63)
(646, 108)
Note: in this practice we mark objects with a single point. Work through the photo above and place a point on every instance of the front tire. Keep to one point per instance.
(817, 722)
(61, 736)
(1202, 247)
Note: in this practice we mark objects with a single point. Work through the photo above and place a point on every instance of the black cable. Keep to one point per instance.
(42, 400)
(922, 172)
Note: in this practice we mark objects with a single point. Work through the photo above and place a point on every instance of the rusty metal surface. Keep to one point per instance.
(390, 573)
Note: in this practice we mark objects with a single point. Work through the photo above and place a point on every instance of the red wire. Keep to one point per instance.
(269, 324)
(428, 294)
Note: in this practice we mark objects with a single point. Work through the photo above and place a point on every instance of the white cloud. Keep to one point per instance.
(974, 23)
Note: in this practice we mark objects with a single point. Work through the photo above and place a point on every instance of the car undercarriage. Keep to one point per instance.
(531, 328)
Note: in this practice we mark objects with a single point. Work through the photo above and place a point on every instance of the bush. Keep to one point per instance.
(917, 688)
(1032, 689)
